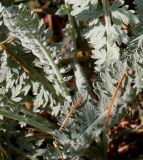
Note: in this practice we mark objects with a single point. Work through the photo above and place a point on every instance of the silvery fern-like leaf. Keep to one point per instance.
(136, 42)
(107, 82)
(118, 35)
(12, 75)
(133, 53)
(28, 33)
(107, 85)
(3, 29)
(103, 35)
(106, 51)
(78, 3)
(14, 80)
(25, 25)
(104, 58)
(138, 67)
(86, 10)
(96, 36)
(41, 99)
(81, 81)
(121, 14)
(99, 56)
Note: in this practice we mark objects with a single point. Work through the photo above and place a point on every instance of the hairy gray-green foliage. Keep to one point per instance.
(19, 84)
(108, 78)
(45, 87)
(87, 123)
(31, 66)
(33, 36)
(106, 38)
(135, 50)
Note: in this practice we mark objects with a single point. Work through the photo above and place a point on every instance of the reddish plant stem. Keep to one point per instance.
(114, 96)
(75, 106)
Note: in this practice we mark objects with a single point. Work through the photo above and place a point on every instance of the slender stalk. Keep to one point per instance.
(54, 66)
(106, 12)
(75, 106)
(75, 59)
(114, 96)
(73, 36)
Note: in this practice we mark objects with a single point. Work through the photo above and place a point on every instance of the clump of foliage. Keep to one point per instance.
(36, 100)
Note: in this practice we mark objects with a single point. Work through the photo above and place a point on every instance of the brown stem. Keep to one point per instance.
(114, 96)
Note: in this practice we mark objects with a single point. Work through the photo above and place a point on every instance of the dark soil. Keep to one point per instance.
(126, 140)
